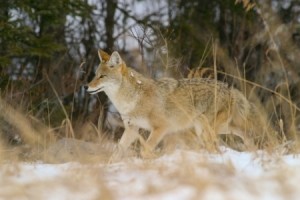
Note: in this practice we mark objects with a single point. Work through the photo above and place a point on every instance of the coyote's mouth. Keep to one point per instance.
(95, 91)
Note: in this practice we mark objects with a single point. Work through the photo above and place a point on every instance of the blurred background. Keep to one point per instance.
(48, 51)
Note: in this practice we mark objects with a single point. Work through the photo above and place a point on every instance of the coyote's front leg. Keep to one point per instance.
(130, 134)
(155, 137)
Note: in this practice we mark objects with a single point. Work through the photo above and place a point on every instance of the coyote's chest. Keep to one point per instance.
(124, 107)
(123, 103)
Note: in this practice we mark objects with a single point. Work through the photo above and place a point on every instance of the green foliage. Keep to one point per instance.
(35, 29)
(196, 23)
(33, 41)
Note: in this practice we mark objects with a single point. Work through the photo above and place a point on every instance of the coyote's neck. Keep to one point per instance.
(126, 95)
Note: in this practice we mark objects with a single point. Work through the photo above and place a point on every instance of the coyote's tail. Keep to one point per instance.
(252, 122)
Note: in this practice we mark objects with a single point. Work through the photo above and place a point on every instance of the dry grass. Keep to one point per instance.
(41, 141)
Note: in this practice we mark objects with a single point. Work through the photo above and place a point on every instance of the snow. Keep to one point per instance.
(181, 174)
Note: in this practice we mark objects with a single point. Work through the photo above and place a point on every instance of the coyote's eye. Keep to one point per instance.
(101, 76)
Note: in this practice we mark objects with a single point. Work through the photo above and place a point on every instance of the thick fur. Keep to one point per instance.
(167, 105)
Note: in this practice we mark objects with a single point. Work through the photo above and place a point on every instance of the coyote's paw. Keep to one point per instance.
(147, 154)
(117, 155)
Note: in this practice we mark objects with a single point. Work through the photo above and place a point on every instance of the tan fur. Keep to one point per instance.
(167, 105)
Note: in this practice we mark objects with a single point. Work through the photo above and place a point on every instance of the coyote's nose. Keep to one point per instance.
(86, 87)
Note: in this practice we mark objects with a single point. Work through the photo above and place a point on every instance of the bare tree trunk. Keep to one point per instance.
(111, 6)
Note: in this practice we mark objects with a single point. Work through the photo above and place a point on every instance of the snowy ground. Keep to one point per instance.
(182, 174)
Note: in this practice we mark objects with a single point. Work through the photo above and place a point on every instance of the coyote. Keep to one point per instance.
(167, 105)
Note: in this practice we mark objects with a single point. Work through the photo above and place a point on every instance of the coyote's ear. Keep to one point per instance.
(115, 58)
(103, 56)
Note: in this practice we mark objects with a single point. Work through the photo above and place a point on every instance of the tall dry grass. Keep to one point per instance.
(274, 89)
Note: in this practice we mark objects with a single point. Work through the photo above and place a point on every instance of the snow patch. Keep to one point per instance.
(182, 174)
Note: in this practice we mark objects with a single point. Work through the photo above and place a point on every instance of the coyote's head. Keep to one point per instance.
(108, 74)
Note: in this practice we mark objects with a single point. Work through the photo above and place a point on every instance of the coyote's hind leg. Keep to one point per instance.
(205, 132)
